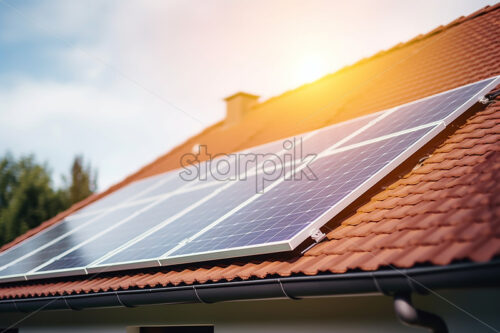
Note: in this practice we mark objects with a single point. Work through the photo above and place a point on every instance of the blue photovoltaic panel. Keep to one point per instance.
(169, 185)
(288, 208)
(422, 112)
(93, 226)
(228, 166)
(125, 194)
(189, 224)
(42, 238)
(254, 157)
(327, 137)
(111, 240)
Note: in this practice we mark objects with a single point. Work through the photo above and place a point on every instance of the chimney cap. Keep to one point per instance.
(241, 93)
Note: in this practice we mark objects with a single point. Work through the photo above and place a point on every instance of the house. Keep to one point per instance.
(430, 230)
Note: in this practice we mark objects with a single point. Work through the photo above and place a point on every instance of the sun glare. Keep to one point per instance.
(311, 68)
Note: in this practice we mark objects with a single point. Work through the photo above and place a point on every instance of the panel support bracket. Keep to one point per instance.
(484, 100)
(317, 235)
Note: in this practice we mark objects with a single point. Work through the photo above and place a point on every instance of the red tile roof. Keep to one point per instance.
(446, 209)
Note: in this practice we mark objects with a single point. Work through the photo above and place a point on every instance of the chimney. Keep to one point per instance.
(238, 105)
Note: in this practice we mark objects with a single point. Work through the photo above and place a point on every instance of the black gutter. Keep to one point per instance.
(386, 282)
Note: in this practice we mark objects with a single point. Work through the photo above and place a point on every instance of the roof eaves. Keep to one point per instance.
(386, 282)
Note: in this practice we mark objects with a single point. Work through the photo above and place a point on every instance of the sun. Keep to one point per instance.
(310, 68)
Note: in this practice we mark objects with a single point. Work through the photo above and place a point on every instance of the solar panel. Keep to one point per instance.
(327, 137)
(126, 230)
(187, 225)
(288, 208)
(166, 220)
(130, 192)
(278, 153)
(39, 240)
(170, 236)
(229, 166)
(84, 228)
(445, 107)
(172, 183)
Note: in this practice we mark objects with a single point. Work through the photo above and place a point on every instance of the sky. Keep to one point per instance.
(123, 82)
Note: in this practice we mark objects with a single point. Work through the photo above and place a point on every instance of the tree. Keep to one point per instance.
(83, 180)
(28, 196)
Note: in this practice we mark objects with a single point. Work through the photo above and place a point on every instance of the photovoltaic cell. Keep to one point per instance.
(127, 193)
(189, 224)
(111, 240)
(422, 112)
(229, 166)
(67, 242)
(43, 238)
(170, 184)
(326, 137)
(288, 208)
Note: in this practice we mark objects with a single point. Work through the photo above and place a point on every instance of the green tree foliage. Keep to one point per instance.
(83, 181)
(28, 196)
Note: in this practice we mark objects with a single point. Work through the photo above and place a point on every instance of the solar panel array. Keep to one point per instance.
(266, 199)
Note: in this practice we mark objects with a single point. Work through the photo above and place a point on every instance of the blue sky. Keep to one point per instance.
(122, 82)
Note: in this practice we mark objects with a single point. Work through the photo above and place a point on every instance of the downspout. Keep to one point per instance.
(411, 316)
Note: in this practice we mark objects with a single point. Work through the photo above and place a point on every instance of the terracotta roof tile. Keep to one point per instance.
(447, 208)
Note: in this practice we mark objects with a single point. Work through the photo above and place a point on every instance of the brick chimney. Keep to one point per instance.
(238, 105)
